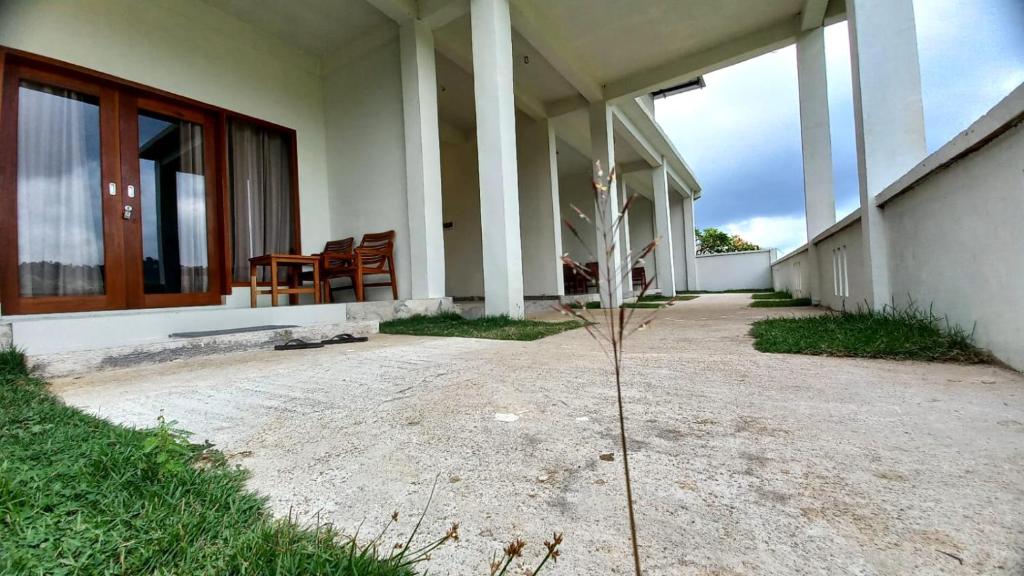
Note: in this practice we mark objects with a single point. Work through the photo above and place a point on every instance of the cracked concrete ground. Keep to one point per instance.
(744, 463)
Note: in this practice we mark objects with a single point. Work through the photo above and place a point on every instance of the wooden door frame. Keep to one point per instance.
(218, 226)
(12, 301)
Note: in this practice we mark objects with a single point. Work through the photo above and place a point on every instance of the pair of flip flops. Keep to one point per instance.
(297, 344)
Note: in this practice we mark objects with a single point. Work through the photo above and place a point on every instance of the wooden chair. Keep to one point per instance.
(336, 254)
(639, 278)
(373, 257)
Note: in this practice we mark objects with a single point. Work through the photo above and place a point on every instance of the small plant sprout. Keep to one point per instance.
(611, 327)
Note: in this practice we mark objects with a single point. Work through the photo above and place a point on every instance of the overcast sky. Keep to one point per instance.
(741, 134)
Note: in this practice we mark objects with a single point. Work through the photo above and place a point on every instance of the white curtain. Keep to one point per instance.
(191, 189)
(60, 218)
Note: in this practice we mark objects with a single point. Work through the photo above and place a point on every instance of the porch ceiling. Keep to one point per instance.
(316, 26)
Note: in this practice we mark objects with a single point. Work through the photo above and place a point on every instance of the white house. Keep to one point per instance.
(148, 149)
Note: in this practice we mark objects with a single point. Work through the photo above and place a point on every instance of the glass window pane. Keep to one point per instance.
(173, 188)
(60, 210)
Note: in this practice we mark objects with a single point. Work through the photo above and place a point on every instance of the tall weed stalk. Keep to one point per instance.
(611, 327)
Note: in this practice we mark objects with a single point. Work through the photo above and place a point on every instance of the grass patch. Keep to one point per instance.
(733, 291)
(772, 296)
(79, 495)
(899, 335)
(644, 304)
(780, 303)
(491, 327)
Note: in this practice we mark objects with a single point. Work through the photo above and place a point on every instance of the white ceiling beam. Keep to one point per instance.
(625, 128)
(630, 167)
(526, 103)
(437, 13)
(547, 39)
(676, 181)
(401, 11)
(813, 14)
(557, 108)
(690, 66)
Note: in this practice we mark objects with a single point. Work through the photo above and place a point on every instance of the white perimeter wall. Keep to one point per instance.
(735, 270)
(957, 243)
(365, 144)
(793, 274)
(955, 236)
(194, 50)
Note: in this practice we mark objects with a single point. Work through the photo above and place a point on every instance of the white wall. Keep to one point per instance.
(793, 274)
(735, 270)
(463, 247)
(641, 233)
(957, 244)
(576, 190)
(365, 144)
(955, 239)
(189, 48)
(537, 221)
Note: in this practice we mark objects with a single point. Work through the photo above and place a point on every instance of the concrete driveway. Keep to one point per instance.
(744, 463)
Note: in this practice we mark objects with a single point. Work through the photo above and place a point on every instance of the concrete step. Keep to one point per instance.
(171, 349)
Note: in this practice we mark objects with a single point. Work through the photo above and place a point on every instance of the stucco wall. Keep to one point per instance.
(575, 190)
(956, 242)
(463, 248)
(850, 239)
(537, 221)
(191, 49)
(641, 232)
(735, 271)
(365, 144)
(793, 274)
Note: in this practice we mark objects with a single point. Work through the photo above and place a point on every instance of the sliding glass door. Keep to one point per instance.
(107, 197)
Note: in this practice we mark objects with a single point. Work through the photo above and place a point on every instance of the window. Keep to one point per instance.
(840, 273)
(263, 210)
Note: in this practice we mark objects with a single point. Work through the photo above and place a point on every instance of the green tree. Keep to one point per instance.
(715, 241)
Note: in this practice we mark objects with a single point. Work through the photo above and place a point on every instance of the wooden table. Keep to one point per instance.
(296, 261)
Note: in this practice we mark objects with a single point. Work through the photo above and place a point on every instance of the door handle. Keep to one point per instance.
(127, 212)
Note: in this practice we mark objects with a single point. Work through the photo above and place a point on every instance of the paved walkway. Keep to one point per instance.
(744, 463)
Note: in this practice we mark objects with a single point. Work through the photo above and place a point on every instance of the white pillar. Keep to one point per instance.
(819, 194)
(624, 243)
(602, 143)
(663, 230)
(888, 118)
(690, 244)
(422, 161)
(539, 211)
(675, 212)
(496, 150)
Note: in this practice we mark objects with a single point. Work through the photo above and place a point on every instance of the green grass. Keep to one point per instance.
(79, 495)
(780, 303)
(734, 291)
(772, 296)
(491, 327)
(901, 335)
(644, 304)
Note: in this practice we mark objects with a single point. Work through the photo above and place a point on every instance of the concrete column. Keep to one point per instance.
(888, 118)
(663, 230)
(602, 143)
(690, 245)
(624, 243)
(819, 192)
(675, 211)
(496, 150)
(819, 196)
(422, 161)
(539, 210)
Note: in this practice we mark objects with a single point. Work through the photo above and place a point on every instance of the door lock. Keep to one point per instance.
(128, 212)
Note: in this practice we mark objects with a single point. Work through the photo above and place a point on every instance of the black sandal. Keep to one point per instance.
(296, 344)
(344, 339)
